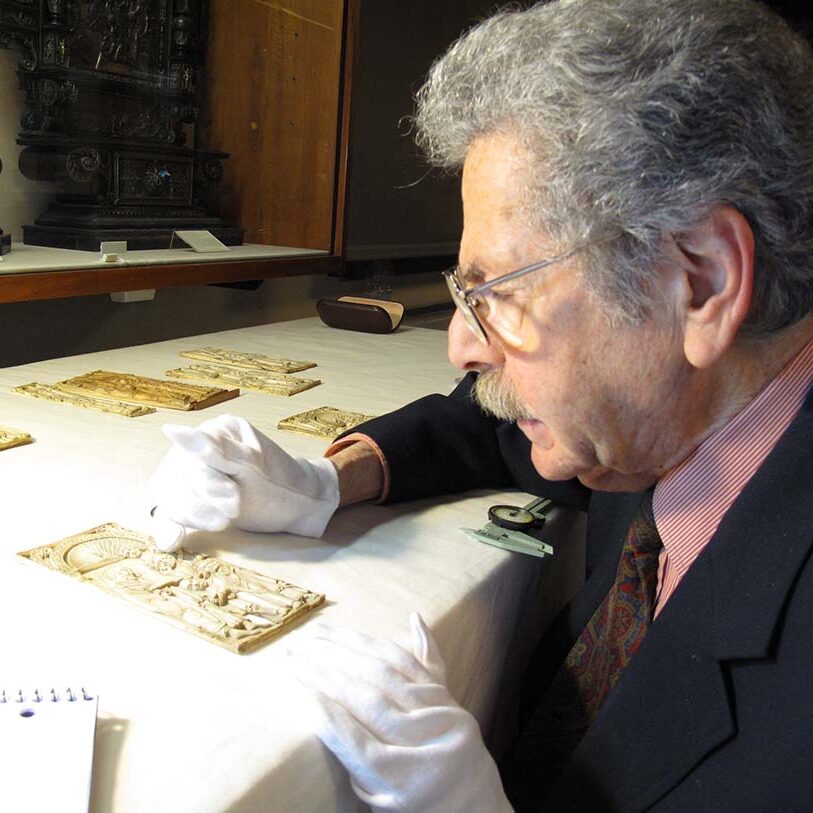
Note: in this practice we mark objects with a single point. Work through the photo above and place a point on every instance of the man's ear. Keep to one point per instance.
(717, 282)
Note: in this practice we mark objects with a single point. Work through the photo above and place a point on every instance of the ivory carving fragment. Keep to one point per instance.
(249, 361)
(155, 392)
(259, 380)
(228, 605)
(46, 392)
(13, 437)
(323, 422)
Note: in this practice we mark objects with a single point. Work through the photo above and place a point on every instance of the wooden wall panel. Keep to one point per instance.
(271, 99)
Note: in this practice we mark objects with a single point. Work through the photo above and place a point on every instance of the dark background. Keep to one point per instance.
(402, 216)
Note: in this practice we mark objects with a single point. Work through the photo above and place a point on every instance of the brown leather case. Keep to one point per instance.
(366, 316)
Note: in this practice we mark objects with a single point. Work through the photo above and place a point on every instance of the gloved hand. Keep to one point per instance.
(226, 472)
(387, 715)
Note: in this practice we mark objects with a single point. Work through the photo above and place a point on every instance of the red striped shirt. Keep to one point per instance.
(690, 501)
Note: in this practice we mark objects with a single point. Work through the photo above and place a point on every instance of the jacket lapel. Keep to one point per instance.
(671, 706)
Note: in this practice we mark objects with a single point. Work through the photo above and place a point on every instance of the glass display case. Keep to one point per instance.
(110, 95)
(126, 113)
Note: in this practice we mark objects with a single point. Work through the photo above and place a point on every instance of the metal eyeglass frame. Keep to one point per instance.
(467, 300)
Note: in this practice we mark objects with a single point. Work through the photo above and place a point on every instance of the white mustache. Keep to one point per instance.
(495, 395)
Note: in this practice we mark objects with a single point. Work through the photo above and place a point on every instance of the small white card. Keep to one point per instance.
(201, 240)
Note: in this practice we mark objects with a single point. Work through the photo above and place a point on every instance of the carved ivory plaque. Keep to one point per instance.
(13, 437)
(48, 393)
(248, 361)
(232, 606)
(153, 391)
(323, 422)
(259, 380)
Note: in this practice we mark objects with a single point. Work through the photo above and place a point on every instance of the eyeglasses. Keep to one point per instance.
(503, 315)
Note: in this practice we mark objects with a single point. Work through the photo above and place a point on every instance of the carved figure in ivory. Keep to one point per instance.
(46, 392)
(142, 390)
(323, 422)
(259, 380)
(229, 605)
(249, 361)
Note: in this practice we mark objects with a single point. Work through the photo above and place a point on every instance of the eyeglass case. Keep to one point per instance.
(359, 313)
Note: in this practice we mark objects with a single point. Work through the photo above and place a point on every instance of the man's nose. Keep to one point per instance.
(467, 352)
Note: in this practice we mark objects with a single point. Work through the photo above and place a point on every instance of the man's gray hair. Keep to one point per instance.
(639, 116)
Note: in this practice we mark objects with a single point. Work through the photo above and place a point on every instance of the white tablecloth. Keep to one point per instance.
(183, 724)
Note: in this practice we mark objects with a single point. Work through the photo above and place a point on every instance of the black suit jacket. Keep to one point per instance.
(715, 711)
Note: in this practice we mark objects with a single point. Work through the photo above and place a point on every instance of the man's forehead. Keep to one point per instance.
(496, 235)
(494, 169)
(493, 245)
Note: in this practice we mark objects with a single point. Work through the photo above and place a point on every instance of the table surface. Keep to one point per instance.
(184, 725)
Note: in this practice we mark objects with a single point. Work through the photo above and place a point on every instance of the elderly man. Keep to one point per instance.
(634, 297)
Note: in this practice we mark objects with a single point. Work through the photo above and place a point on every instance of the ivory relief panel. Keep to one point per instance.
(228, 605)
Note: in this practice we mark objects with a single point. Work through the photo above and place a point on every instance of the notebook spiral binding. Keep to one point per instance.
(52, 695)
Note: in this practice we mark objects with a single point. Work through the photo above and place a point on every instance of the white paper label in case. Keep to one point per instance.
(201, 240)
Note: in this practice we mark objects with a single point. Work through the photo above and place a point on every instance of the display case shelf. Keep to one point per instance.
(35, 273)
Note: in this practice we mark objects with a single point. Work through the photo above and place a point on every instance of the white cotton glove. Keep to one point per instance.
(387, 715)
(225, 472)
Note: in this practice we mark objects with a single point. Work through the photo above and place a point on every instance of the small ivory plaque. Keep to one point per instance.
(139, 389)
(258, 380)
(323, 422)
(47, 392)
(13, 437)
(231, 606)
(247, 361)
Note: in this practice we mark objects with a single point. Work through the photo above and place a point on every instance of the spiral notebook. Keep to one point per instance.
(46, 749)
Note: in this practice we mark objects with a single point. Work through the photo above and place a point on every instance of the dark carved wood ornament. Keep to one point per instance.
(110, 97)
